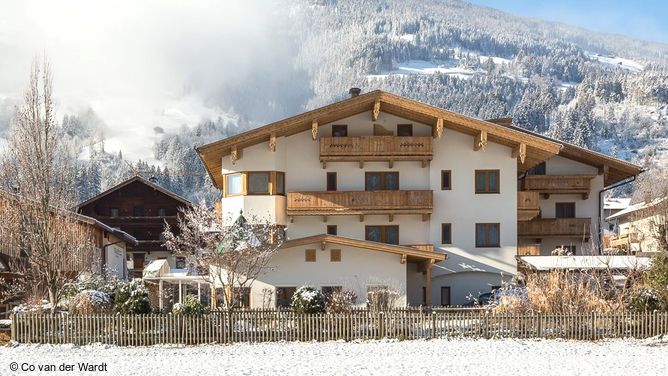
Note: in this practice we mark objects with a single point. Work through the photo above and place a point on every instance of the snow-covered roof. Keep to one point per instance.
(616, 203)
(544, 263)
(634, 208)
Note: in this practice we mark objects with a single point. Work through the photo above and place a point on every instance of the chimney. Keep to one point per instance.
(354, 91)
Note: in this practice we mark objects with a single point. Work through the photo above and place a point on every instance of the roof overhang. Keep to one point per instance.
(538, 149)
(411, 253)
(602, 262)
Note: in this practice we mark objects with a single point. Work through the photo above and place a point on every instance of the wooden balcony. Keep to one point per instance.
(360, 203)
(528, 250)
(375, 148)
(527, 205)
(555, 228)
(558, 184)
(624, 239)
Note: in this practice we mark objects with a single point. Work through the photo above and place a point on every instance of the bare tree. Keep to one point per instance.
(233, 256)
(37, 169)
(652, 217)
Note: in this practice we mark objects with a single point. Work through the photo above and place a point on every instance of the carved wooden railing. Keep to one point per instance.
(558, 183)
(555, 227)
(527, 205)
(360, 202)
(375, 146)
(528, 250)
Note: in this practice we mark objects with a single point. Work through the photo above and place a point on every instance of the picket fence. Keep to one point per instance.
(263, 326)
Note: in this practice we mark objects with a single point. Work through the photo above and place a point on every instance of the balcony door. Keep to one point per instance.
(381, 181)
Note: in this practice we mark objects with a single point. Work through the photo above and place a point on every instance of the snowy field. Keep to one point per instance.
(435, 357)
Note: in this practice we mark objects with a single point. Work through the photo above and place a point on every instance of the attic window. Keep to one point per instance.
(405, 130)
(339, 130)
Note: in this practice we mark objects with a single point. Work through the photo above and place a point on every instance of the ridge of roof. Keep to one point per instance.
(131, 180)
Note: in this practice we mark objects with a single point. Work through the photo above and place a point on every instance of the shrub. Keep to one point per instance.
(382, 298)
(190, 306)
(645, 300)
(308, 299)
(90, 301)
(341, 301)
(131, 298)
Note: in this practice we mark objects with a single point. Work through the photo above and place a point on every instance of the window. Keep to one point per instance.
(309, 255)
(242, 297)
(180, 263)
(331, 181)
(445, 296)
(487, 235)
(446, 183)
(162, 212)
(280, 183)
(339, 130)
(258, 183)
(335, 255)
(138, 211)
(234, 184)
(405, 130)
(284, 296)
(113, 212)
(446, 233)
(382, 234)
(564, 210)
(486, 181)
(331, 229)
(381, 181)
(538, 169)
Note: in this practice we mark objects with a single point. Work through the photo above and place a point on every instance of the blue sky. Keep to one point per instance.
(644, 19)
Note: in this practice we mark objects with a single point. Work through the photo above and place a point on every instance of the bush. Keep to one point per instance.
(190, 306)
(308, 299)
(645, 300)
(131, 298)
(90, 301)
(382, 298)
(341, 301)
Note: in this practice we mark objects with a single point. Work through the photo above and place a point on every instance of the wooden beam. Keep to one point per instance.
(314, 130)
(438, 130)
(604, 170)
(376, 110)
(425, 265)
(480, 141)
(427, 285)
(234, 154)
(272, 142)
(403, 258)
(520, 151)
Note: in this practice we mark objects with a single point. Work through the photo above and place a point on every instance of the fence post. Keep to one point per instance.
(539, 332)
(12, 333)
(381, 325)
(433, 324)
(593, 324)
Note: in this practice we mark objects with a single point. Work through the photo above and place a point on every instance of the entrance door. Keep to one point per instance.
(445, 295)
(138, 261)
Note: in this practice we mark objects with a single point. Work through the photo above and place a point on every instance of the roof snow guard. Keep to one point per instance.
(531, 148)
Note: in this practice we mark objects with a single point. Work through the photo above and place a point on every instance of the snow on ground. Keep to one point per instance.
(627, 64)
(495, 59)
(435, 357)
(427, 67)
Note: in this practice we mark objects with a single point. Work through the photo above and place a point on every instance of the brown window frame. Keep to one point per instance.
(310, 255)
(335, 255)
(226, 184)
(383, 233)
(487, 189)
(559, 209)
(408, 127)
(269, 183)
(339, 127)
(272, 184)
(330, 228)
(327, 181)
(383, 175)
(485, 243)
(443, 227)
(445, 173)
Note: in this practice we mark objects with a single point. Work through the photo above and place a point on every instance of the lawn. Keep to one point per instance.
(386, 357)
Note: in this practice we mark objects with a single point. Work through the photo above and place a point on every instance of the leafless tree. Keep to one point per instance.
(652, 192)
(37, 171)
(233, 256)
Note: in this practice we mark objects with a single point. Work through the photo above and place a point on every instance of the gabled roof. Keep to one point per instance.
(537, 148)
(132, 180)
(410, 252)
(618, 169)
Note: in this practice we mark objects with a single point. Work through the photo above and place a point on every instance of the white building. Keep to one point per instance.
(380, 190)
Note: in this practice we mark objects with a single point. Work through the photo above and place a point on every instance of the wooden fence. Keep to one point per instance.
(263, 326)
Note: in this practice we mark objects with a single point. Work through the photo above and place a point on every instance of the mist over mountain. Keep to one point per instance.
(605, 92)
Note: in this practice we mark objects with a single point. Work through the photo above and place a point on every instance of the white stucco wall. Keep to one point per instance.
(465, 285)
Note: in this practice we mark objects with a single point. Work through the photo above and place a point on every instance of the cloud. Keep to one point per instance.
(146, 64)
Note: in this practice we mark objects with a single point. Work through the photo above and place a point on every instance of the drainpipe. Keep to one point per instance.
(600, 206)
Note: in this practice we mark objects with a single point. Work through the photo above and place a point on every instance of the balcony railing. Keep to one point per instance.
(558, 184)
(376, 148)
(360, 202)
(527, 205)
(528, 250)
(555, 227)
(624, 239)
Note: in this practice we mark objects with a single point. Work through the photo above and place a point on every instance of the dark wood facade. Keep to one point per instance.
(140, 208)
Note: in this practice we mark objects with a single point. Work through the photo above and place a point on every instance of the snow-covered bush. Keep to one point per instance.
(645, 300)
(90, 301)
(131, 298)
(341, 301)
(308, 299)
(190, 306)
